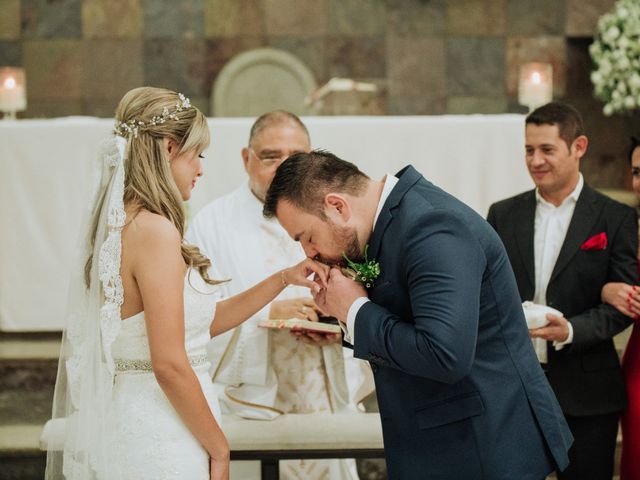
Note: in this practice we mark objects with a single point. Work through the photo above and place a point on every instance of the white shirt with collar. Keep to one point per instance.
(349, 329)
(550, 229)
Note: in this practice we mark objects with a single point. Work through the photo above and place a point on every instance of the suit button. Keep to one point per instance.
(374, 368)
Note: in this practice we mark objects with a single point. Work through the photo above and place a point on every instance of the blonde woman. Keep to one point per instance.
(133, 396)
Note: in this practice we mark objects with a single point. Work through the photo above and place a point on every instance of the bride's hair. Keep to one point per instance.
(157, 114)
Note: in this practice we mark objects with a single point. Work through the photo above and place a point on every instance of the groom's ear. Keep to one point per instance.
(337, 207)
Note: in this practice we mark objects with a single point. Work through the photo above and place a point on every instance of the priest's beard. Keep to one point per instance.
(345, 240)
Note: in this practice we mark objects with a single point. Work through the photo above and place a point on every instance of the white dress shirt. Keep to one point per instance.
(550, 229)
(349, 329)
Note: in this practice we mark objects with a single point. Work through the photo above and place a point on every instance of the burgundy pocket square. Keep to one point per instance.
(597, 242)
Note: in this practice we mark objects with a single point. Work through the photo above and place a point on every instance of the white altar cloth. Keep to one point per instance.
(45, 178)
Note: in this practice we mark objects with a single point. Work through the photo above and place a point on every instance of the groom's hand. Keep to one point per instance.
(339, 294)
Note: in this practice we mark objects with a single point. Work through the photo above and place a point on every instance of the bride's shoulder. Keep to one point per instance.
(147, 227)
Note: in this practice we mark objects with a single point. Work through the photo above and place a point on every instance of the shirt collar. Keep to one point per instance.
(573, 196)
(389, 182)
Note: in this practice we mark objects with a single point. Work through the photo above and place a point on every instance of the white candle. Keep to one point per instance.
(12, 96)
(535, 87)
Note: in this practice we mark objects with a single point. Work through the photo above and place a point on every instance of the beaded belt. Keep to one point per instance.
(142, 366)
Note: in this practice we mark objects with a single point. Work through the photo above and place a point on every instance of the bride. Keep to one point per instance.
(133, 398)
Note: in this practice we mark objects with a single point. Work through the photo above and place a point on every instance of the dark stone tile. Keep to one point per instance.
(51, 18)
(578, 68)
(582, 17)
(54, 69)
(356, 57)
(477, 17)
(416, 66)
(102, 82)
(469, 105)
(173, 18)
(417, 105)
(293, 17)
(546, 49)
(476, 66)
(416, 18)
(11, 54)
(526, 17)
(356, 17)
(228, 18)
(220, 50)
(10, 20)
(311, 51)
(53, 108)
(112, 18)
(177, 65)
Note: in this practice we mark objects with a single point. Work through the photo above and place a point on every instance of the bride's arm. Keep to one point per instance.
(159, 271)
(234, 310)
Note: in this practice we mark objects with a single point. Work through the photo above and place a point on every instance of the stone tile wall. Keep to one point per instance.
(432, 56)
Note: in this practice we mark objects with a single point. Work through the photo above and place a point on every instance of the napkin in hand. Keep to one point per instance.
(536, 314)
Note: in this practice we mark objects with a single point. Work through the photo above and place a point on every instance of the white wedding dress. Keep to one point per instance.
(146, 437)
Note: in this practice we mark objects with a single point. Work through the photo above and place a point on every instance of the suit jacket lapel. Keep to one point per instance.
(407, 177)
(582, 220)
(525, 231)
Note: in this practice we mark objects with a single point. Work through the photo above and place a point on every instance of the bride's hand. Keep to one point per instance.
(218, 470)
(297, 275)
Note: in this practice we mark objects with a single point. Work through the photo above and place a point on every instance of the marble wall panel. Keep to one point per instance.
(312, 51)
(178, 65)
(582, 17)
(416, 67)
(356, 17)
(475, 66)
(356, 57)
(11, 53)
(113, 67)
(112, 18)
(229, 18)
(477, 17)
(293, 17)
(173, 18)
(416, 18)
(54, 69)
(539, 17)
(51, 19)
(485, 105)
(10, 19)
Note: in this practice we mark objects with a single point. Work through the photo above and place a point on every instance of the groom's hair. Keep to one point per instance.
(304, 179)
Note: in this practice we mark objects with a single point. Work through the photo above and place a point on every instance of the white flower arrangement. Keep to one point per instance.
(616, 55)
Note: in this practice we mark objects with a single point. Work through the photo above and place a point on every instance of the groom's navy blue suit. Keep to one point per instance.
(461, 393)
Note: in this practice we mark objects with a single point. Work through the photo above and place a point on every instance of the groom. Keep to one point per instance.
(461, 393)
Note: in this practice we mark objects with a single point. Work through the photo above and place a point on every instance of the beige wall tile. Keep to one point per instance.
(112, 18)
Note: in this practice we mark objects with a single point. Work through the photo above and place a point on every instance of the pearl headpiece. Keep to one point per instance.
(132, 127)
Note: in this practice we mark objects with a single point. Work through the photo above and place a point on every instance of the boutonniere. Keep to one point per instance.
(364, 272)
(597, 242)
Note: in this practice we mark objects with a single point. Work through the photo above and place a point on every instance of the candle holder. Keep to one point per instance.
(13, 91)
(535, 84)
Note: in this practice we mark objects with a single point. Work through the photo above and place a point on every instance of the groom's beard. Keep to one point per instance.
(347, 240)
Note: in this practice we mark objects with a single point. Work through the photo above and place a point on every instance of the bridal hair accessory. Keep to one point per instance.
(133, 127)
(365, 272)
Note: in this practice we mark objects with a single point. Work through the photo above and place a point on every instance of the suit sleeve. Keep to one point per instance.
(603, 321)
(443, 267)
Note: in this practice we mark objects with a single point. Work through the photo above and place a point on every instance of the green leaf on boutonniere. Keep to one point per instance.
(364, 272)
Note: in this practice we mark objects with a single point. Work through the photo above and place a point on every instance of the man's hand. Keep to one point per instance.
(303, 308)
(557, 330)
(339, 294)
